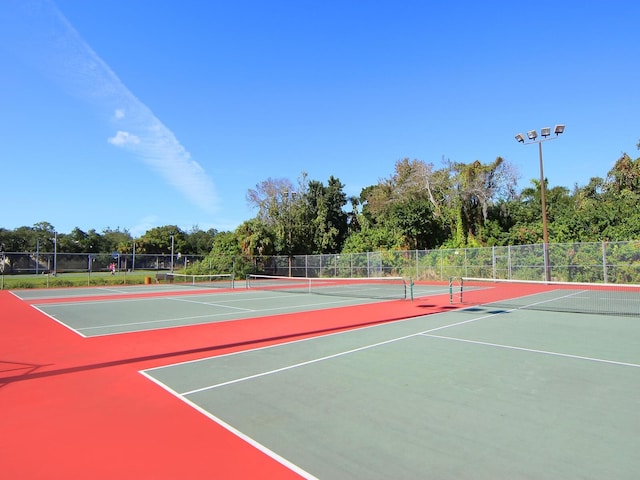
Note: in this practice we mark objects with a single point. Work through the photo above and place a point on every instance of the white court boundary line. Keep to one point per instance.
(335, 355)
(107, 299)
(179, 319)
(426, 333)
(260, 447)
(65, 325)
(533, 350)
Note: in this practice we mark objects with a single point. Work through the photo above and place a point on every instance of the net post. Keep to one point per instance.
(411, 288)
(452, 283)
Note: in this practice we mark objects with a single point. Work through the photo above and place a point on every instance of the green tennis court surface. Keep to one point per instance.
(478, 393)
(506, 387)
(37, 294)
(105, 311)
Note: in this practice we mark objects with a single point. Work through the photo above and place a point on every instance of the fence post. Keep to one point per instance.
(493, 261)
(604, 261)
(351, 265)
(466, 263)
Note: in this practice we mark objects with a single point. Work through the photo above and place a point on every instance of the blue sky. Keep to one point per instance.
(135, 114)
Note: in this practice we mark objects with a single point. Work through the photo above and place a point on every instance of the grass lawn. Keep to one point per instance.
(75, 279)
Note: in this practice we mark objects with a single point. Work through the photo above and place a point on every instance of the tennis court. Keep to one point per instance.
(517, 381)
(478, 393)
(112, 310)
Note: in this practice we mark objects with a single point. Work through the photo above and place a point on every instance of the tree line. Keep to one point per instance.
(418, 206)
(43, 237)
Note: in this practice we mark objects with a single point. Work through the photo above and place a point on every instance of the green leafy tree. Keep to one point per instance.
(73, 242)
(226, 256)
(325, 217)
(477, 187)
(117, 240)
(415, 221)
(256, 238)
(373, 239)
(273, 199)
(158, 240)
(23, 239)
(307, 218)
(411, 203)
(625, 175)
(199, 242)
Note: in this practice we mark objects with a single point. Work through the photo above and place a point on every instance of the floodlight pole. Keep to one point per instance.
(289, 197)
(55, 253)
(171, 253)
(3, 260)
(532, 135)
(290, 238)
(545, 228)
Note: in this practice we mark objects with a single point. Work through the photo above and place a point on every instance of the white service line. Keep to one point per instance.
(186, 300)
(533, 350)
(335, 355)
(179, 319)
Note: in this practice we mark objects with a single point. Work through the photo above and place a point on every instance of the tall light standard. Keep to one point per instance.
(290, 221)
(133, 257)
(532, 135)
(55, 253)
(37, 254)
(171, 253)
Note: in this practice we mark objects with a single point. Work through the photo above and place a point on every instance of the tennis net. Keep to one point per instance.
(223, 280)
(603, 299)
(374, 288)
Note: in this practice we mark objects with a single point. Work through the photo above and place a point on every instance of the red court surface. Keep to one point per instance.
(77, 408)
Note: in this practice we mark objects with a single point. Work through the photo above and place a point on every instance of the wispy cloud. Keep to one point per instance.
(43, 37)
(122, 139)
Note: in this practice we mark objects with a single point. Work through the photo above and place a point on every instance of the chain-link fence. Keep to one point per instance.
(14, 263)
(598, 262)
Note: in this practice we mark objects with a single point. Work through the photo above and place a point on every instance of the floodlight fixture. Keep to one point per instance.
(532, 135)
